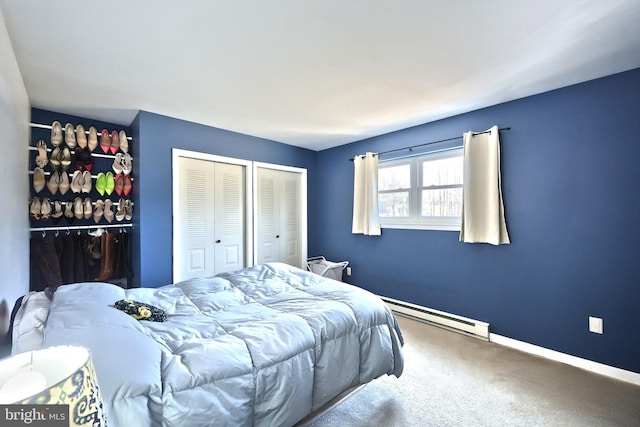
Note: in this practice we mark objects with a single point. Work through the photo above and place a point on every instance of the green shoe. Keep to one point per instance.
(109, 183)
(101, 183)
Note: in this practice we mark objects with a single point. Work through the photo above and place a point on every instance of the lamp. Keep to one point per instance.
(61, 375)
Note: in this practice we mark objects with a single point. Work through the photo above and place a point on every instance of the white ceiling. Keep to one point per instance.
(314, 74)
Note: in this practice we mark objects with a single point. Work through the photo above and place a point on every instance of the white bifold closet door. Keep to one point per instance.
(278, 216)
(211, 204)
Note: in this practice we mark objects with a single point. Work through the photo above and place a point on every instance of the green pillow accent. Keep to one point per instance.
(141, 311)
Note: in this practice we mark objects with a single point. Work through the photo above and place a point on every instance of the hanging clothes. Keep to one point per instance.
(45, 258)
(78, 258)
(65, 250)
(123, 255)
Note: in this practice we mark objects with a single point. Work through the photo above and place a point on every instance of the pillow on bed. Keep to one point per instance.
(141, 311)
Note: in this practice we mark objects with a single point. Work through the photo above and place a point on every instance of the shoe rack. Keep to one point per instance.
(79, 178)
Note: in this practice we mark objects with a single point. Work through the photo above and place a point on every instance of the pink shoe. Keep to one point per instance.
(105, 143)
(115, 142)
(126, 185)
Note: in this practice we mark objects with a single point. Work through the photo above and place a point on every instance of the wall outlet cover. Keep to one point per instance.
(595, 325)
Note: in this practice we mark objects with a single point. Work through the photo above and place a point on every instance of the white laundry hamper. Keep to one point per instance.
(332, 270)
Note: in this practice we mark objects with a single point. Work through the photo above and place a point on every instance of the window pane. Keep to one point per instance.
(445, 202)
(393, 204)
(442, 171)
(391, 178)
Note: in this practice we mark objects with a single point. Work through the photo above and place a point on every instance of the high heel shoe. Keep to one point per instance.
(117, 164)
(77, 208)
(38, 179)
(126, 185)
(41, 158)
(81, 136)
(119, 184)
(35, 208)
(68, 212)
(55, 158)
(105, 142)
(88, 160)
(69, 135)
(98, 211)
(63, 183)
(53, 183)
(92, 142)
(65, 158)
(76, 182)
(101, 183)
(87, 208)
(127, 164)
(84, 161)
(56, 216)
(109, 183)
(124, 142)
(86, 182)
(56, 133)
(115, 142)
(108, 210)
(122, 212)
(45, 209)
(128, 210)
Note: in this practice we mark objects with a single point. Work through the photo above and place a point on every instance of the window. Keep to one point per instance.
(422, 192)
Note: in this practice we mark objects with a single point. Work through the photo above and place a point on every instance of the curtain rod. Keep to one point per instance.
(430, 143)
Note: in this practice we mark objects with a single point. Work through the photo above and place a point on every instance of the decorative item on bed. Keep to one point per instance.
(56, 385)
(257, 346)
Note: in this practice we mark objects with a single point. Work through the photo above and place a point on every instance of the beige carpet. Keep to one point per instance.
(454, 380)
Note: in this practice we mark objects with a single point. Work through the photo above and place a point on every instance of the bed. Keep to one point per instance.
(265, 346)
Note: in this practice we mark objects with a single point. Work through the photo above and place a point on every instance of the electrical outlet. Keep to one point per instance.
(348, 271)
(595, 325)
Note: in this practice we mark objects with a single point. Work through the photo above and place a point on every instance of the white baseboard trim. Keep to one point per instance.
(588, 365)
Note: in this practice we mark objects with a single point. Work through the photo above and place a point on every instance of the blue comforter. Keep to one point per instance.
(263, 346)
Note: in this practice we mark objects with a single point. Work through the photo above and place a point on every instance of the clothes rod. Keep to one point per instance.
(81, 227)
(430, 143)
(41, 126)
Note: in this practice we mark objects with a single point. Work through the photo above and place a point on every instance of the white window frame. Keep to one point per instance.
(414, 221)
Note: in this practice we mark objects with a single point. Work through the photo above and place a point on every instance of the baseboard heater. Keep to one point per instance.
(463, 325)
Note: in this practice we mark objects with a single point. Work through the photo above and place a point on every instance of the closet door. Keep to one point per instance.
(210, 229)
(290, 218)
(229, 217)
(279, 216)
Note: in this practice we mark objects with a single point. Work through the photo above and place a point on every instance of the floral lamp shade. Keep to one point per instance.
(50, 380)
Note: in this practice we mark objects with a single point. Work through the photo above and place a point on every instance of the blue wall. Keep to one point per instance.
(156, 135)
(569, 185)
(570, 175)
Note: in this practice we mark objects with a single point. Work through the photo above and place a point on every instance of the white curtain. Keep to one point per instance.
(482, 208)
(365, 195)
